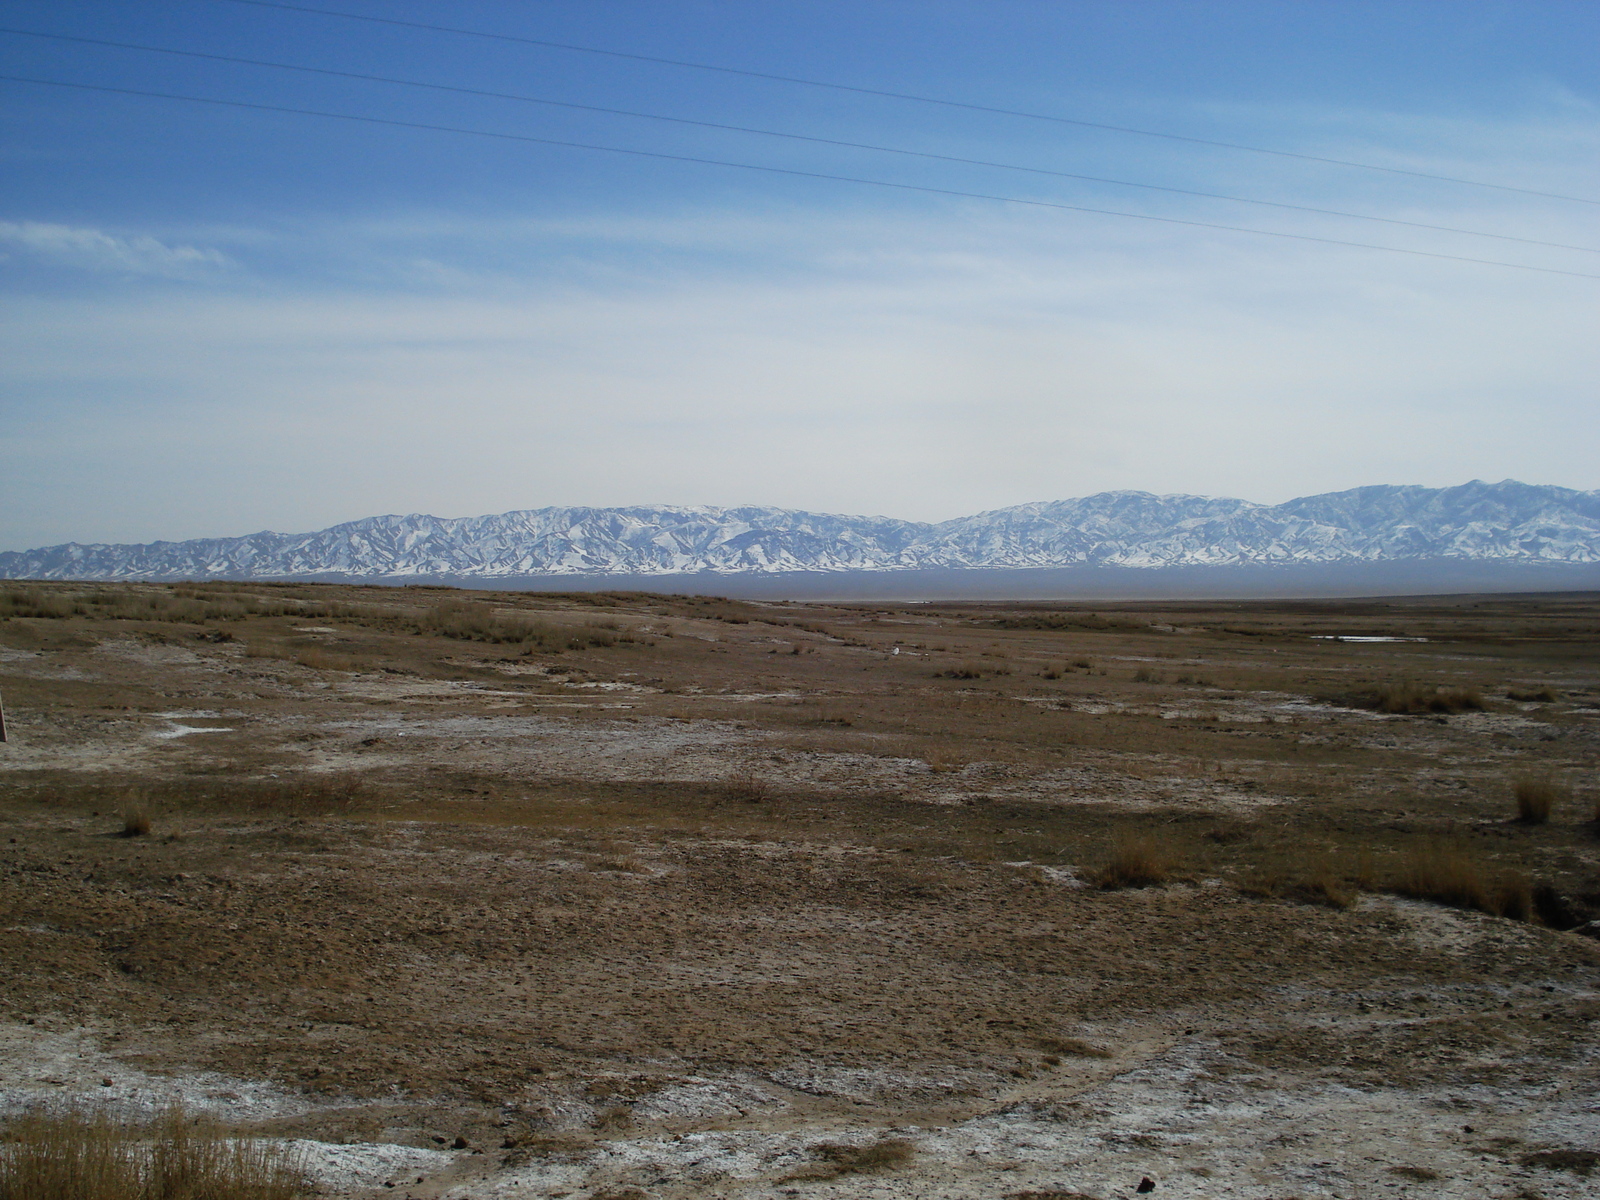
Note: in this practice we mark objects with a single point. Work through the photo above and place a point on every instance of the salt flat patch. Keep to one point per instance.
(44, 1063)
(1452, 931)
(1198, 1122)
(176, 730)
(1486, 722)
(350, 1167)
(706, 1099)
(873, 1084)
(148, 654)
(1092, 786)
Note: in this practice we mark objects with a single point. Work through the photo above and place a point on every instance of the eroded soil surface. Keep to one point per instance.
(472, 894)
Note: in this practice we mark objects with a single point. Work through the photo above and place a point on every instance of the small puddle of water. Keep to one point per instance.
(1340, 637)
(178, 731)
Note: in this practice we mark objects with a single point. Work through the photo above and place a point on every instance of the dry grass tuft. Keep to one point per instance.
(1415, 1174)
(1579, 1162)
(941, 760)
(70, 1154)
(969, 671)
(623, 865)
(1141, 862)
(1077, 1047)
(613, 1117)
(1310, 878)
(1541, 695)
(841, 1158)
(747, 787)
(1408, 697)
(1537, 797)
(1449, 875)
(136, 822)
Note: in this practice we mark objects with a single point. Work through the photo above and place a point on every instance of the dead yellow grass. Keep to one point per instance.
(1138, 862)
(1450, 875)
(71, 1154)
(1537, 797)
(1310, 878)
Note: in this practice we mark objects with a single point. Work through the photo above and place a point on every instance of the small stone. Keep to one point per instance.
(105, 1081)
(459, 1144)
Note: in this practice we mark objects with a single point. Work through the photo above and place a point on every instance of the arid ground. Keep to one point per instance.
(473, 894)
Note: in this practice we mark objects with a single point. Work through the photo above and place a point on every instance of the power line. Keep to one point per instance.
(864, 91)
(718, 162)
(800, 137)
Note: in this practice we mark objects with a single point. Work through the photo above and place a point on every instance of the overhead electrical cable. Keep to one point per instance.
(799, 137)
(791, 171)
(865, 91)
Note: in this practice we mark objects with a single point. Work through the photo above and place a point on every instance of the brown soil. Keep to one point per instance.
(735, 896)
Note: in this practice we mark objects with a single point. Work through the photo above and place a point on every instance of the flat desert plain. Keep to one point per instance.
(471, 894)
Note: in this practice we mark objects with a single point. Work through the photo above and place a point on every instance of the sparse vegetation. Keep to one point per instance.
(495, 898)
(1071, 1047)
(1307, 878)
(1410, 697)
(841, 1158)
(1541, 695)
(72, 1154)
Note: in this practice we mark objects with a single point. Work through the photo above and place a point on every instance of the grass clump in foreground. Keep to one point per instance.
(1141, 862)
(72, 1154)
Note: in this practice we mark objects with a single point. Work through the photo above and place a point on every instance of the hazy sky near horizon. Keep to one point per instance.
(215, 320)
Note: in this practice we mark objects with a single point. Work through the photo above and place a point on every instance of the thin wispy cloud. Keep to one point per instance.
(84, 249)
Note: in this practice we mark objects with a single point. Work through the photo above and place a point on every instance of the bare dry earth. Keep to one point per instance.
(721, 906)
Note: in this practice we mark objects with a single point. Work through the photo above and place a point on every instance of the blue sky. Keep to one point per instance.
(215, 320)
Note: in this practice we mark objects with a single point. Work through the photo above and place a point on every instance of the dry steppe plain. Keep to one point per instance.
(626, 896)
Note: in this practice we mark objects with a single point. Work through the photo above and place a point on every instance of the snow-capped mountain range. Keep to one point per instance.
(1506, 522)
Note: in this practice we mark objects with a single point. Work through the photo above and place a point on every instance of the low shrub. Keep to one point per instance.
(136, 822)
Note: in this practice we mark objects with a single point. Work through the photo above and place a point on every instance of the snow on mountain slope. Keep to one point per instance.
(1508, 521)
